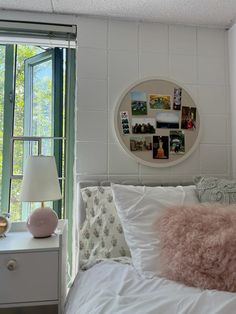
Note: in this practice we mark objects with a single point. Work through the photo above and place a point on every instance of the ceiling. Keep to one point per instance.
(216, 13)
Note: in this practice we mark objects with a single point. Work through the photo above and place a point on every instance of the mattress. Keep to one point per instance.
(110, 287)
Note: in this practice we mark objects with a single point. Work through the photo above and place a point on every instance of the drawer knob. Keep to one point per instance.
(11, 264)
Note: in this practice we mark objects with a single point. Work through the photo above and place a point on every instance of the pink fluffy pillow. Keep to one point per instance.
(198, 245)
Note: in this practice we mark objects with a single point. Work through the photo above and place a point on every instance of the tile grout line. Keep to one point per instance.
(108, 98)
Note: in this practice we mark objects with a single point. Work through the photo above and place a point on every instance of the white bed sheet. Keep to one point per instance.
(114, 288)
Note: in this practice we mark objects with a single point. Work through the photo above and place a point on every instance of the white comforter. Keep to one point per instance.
(114, 288)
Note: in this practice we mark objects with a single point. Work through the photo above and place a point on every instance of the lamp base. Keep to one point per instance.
(42, 222)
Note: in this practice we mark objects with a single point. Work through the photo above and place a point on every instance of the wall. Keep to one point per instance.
(114, 54)
(232, 72)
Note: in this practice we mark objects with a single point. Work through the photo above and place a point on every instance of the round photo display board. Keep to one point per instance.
(157, 123)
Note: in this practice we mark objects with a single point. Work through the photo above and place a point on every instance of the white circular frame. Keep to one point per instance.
(140, 160)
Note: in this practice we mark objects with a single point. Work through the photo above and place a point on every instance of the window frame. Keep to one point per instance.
(69, 138)
(8, 123)
(56, 56)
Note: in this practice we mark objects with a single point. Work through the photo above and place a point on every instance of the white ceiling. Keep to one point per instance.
(221, 13)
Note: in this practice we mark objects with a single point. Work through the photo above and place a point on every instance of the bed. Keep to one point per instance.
(116, 284)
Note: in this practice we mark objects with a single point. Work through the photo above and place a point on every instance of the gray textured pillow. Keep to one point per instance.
(101, 235)
(211, 189)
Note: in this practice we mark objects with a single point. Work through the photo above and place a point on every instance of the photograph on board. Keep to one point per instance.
(157, 101)
(138, 103)
(167, 119)
(188, 120)
(177, 142)
(141, 143)
(160, 147)
(143, 125)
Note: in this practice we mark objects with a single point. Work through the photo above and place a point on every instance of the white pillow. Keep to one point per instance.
(138, 208)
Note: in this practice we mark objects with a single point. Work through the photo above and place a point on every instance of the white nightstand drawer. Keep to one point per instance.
(32, 277)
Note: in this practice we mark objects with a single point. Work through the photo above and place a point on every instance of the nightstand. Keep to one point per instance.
(33, 271)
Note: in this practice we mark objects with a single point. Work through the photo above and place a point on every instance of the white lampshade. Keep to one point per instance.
(40, 180)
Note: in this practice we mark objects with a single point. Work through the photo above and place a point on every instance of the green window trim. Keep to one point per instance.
(9, 102)
(58, 116)
(70, 144)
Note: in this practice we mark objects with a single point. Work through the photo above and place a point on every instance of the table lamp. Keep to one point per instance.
(40, 184)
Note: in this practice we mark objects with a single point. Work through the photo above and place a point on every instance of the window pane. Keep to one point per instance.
(47, 149)
(21, 150)
(42, 111)
(20, 211)
(23, 52)
(15, 204)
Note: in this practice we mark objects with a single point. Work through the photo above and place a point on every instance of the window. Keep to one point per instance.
(37, 102)
(34, 116)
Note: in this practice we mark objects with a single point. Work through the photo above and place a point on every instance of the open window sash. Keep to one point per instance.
(43, 107)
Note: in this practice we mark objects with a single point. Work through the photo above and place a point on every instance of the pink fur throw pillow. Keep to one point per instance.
(198, 245)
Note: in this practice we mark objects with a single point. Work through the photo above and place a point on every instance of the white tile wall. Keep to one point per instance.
(190, 166)
(123, 64)
(214, 159)
(183, 68)
(215, 129)
(154, 171)
(123, 35)
(119, 162)
(211, 70)
(183, 39)
(91, 158)
(92, 94)
(92, 126)
(92, 63)
(153, 37)
(113, 54)
(152, 63)
(211, 42)
(212, 99)
(92, 33)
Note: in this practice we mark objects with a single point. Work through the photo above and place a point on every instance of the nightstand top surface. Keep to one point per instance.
(19, 239)
(24, 241)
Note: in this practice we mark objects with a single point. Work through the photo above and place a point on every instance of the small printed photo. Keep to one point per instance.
(157, 101)
(124, 121)
(126, 131)
(138, 103)
(177, 99)
(177, 142)
(160, 147)
(167, 120)
(124, 115)
(141, 143)
(143, 125)
(188, 120)
(125, 126)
